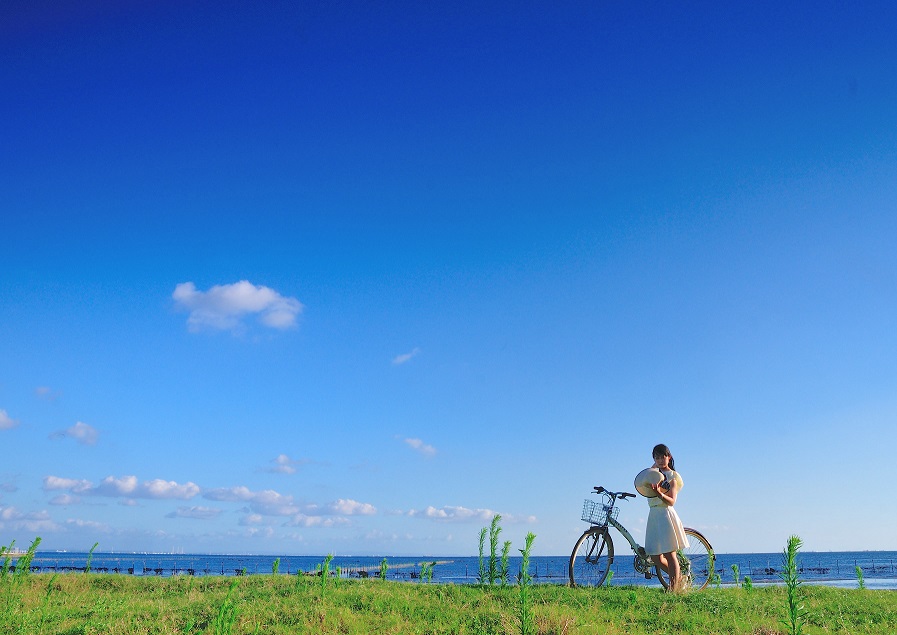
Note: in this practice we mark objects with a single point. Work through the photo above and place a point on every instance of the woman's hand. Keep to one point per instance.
(668, 497)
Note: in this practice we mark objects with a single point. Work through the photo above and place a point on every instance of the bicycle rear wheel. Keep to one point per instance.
(696, 562)
(591, 558)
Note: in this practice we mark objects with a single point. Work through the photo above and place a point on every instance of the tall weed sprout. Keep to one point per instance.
(426, 571)
(7, 559)
(861, 582)
(527, 624)
(90, 557)
(494, 531)
(481, 576)
(23, 565)
(224, 621)
(504, 569)
(796, 615)
(325, 573)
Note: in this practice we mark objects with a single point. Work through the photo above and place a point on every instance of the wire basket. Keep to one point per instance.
(598, 513)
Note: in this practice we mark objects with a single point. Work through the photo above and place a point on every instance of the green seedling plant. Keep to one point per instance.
(481, 576)
(504, 568)
(494, 531)
(861, 582)
(301, 580)
(685, 566)
(527, 623)
(384, 567)
(735, 573)
(90, 557)
(23, 569)
(275, 566)
(747, 584)
(7, 561)
(46, 601)
(610, 578)
(795, 615)
(23, 566)
(325, 573)
(224, 621)
(426, 571)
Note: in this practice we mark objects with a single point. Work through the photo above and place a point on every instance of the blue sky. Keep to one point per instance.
(309, 279)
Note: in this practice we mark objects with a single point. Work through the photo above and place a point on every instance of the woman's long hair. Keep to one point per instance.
(661, 450)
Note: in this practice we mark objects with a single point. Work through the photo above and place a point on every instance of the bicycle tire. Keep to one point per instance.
(698, 564)
(592, 557)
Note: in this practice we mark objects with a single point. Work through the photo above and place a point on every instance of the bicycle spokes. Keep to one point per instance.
(596, 543)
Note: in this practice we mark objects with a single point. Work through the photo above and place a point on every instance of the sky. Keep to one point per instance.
(303, 278)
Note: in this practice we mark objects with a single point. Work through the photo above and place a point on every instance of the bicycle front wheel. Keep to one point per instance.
(591, 558)
(696, 562)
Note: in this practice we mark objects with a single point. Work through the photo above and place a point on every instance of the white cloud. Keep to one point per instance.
(126, 487)
(265, 502)
(88, 524)
(12, 518)
(7, 422)
(111, 486)
(405, 357)
(251, 519)
(197, 513)
(349, 507)
(260, 532)
(420, 446)
(158, 488)
(64, 500)
(229, 494)
(223, 307)
(272, 503)
(285, 465)
(301, 520)
(450, 513)
(74, 485)
(80, 432)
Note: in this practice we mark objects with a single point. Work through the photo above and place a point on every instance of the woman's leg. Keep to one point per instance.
(670, 563)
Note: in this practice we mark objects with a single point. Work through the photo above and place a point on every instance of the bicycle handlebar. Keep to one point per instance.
(621, 495)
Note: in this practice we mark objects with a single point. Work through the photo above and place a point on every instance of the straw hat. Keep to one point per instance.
(645, 479)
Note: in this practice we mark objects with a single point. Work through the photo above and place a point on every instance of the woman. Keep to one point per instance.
(664, 535)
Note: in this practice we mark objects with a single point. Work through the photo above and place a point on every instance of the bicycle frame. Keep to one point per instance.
(637, 549)
(643, 563)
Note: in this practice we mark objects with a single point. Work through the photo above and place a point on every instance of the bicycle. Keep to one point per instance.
(593, 554)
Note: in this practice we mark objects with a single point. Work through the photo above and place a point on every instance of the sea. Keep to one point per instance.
(879, 568)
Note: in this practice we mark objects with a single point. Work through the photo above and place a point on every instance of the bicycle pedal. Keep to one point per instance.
(647, 576)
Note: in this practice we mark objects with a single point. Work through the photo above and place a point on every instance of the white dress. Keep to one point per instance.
(664, 532)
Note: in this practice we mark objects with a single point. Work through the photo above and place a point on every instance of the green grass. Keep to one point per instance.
(69, 604)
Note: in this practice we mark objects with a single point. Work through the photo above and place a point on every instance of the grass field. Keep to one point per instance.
(71, 604)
